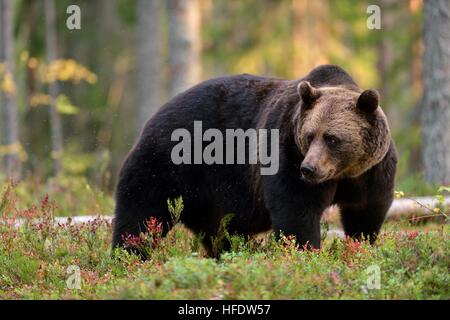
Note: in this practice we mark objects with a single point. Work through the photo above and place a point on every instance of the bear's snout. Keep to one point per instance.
(308, 171)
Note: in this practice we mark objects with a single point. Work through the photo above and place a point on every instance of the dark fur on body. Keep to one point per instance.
(283, 202)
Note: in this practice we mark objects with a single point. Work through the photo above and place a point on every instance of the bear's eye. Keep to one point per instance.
(331, 141)
(309, 138)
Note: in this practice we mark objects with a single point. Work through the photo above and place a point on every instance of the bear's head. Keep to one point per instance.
(340, 131)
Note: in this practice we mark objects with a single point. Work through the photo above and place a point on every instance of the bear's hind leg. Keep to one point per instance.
(137, 232)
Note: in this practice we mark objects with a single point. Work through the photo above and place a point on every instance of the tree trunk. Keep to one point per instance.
(184, 44)
(415, 69)
(8, 102)
(52, 55)
(149, 60)
(385, 59)
(436, 99)
(302, 60)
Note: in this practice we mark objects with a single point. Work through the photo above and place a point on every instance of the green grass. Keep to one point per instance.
(415, 185)
(38, 259)
(41, 260)
(72, 195)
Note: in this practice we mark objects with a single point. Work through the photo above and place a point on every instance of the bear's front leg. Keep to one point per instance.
(364, 204)
(365, 201)
(364, 222)
(304, 225)
(296, 207)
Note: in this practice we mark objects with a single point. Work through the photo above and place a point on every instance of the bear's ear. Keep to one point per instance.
(307, 92)
(368, 101)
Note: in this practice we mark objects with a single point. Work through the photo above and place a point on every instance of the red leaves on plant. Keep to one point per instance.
(45, 202)
(90, 277)
(153, 226)
(412, 235)
(351, 251)
(353, 246)
(131, 241)
(308, 247)
(149, 239)
(334, 277)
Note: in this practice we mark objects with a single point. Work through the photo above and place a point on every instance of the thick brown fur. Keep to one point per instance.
(350, 156)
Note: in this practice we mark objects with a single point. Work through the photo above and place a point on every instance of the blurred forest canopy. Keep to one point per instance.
(102, 82)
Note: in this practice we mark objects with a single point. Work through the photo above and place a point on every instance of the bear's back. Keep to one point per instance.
(224, 102)
(330, 75)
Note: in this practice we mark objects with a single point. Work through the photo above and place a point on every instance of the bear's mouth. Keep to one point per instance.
(316, 179)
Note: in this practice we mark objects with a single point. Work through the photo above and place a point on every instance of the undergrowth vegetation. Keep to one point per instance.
(43, 259)
(72, 195)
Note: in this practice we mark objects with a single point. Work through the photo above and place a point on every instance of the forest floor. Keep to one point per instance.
(42, 258)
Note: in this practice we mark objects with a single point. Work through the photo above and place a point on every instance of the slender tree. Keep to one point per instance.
(148, 59)
(10, 139)
(386, 57)
(184, 44)
(436, 99)
(52, 55)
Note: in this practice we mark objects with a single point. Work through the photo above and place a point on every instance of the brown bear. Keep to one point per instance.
(333, 146)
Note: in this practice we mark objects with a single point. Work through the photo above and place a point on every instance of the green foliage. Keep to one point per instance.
(36, 255)
(73, 196)
(64, 106)
(126, 10)
(273, 271)
(442, 208)
(415, 185)
(444, 189)
(175, 207)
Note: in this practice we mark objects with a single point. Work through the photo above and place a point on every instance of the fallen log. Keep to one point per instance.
(414, 208)
(420, 206)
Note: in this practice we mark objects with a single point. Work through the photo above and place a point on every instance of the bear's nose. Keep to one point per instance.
(307, 170)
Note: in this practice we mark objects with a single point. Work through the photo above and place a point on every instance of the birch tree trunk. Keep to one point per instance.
(436, 99)
(52, 55)
(11, 146)
(184, 44)
(149, 59)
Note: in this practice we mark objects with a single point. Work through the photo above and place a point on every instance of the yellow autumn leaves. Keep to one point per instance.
(62, 103)
(59, 70)
(7, 84)
(65, 70)
(399, 194)
(40, 99)
(15, 148)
